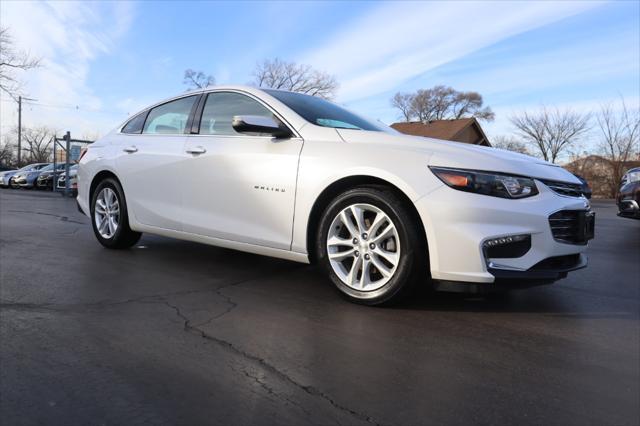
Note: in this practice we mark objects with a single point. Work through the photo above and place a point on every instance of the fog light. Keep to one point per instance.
(507, 247)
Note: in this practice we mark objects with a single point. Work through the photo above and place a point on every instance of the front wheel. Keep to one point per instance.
(110, 216)
(369, 244)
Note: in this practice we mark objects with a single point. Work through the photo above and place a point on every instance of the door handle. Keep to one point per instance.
(130, 149)
(196, 150)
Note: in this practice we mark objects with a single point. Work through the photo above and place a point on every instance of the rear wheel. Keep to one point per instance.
(110, 216)
(368, 244)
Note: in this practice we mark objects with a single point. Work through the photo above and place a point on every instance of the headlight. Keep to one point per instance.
(487, 183)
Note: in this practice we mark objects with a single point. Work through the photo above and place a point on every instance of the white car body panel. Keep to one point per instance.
(242, 189)
(217, 197)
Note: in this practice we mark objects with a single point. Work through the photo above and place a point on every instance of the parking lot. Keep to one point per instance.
(174, 332)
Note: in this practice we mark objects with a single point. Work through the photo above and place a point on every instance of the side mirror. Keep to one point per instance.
(259, 124)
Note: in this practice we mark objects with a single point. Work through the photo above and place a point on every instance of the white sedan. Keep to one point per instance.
(296, 177)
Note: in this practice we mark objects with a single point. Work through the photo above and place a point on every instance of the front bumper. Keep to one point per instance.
(25, 181)
(510, 280)
(628, 208)
(458, 223)
(45, 182)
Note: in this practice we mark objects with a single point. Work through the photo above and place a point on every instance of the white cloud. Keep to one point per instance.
(399, 41)
(67, 36)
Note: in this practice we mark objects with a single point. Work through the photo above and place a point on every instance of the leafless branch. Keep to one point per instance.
(198, 79)
(441, 103)
(619, 135)
(551, 132)
(278, 74)
(510, 144)
(11, 61)
(37, 142)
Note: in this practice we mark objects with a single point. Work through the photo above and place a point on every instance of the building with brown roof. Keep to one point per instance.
(465, 130)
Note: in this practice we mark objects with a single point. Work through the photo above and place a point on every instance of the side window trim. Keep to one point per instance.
(197, 114)
(192, 115)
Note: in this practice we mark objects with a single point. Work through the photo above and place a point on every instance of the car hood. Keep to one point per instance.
(465, 156)
(8, 173)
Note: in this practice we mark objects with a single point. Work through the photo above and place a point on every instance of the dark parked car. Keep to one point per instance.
(586, 189)
(45, 179)
(628, 198)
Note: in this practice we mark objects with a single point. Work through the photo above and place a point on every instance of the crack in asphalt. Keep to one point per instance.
(62, 218)
(197, 330)
(150, 298)
(271, 391)
(311, 390)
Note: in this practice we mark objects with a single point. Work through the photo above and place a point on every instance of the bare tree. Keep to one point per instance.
(7, 152)
(38, 142)
(441, 103)
(470, 104)
(278, 74)
(11, 61)
(510, 144)
(619, 140)
(198, 79)
(551, 132)
(403, 101)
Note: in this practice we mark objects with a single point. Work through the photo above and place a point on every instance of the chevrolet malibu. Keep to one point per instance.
(296, 177)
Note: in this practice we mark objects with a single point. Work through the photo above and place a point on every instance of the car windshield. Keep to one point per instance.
(324, 113)
(31, 167)
(633, 175)
(47, 168)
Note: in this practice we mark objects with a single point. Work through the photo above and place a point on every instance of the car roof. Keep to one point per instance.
(258, 92)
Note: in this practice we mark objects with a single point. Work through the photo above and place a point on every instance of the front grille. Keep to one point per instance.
(564, 188)
(571, 226)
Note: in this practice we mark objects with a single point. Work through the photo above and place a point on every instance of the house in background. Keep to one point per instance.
(465, 130)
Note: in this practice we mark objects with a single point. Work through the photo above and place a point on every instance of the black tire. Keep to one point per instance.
(412, 264)
(124, 237)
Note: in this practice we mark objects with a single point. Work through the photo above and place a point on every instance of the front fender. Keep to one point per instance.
(407, 171)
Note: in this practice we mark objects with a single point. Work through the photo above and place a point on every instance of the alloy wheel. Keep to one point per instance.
(107, 213)
(363, 247)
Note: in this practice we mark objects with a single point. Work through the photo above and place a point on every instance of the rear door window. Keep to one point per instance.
(136, 124)
(170, 118)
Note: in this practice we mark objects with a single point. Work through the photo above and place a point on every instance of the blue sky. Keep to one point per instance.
(104, 60)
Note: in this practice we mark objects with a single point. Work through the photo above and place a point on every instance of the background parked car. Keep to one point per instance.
(628, 198)
(5, 176)
(73, 180)
(13, 178)
(27, 178)
(46, 178)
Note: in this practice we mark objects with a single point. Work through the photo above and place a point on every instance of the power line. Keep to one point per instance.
(69, 107)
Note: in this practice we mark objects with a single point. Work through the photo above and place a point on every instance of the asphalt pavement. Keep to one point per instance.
(174, 332)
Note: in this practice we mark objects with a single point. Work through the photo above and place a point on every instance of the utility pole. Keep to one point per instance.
(19, 130)
(20, 126)
(67, 138)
